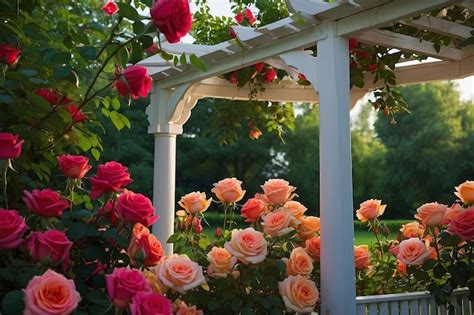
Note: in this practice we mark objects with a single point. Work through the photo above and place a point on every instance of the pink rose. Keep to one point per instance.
(74, 166)
(180, 273)
(313, 247)
(134, 81)
(249, 246)
(46, 202)
(296, 208)
(361, 257)
(451, 212)
(370, 210)
(412, 251)
(50, 294)
(110, 8)
(111, 176)
(9, 54)
(278, 223)
(462, 224)
(220, 261)
(431, 214)
(76, 114)
(299, 294)
(10, 146)
(50, 246)
(172, 17)
(465, 191)
(49, 95)
(299, 263)
(184, 309)
(123, 284)
(277, 191)
(149, 303)
(153, 49)
(12, 227)
(253, 209)
(136, 208)
(228, 190)
(195, 202)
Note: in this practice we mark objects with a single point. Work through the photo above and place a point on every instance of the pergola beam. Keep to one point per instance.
(440, 26)
(380, 15)
(405, 42)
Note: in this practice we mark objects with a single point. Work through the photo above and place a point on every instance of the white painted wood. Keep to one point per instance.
(466, 305)
(311, 7)
(337, 229)
(408, 43)
(433, 307)
(468, 4)
(442, 310)
(414, 307)
(456, 302)
(373, 309)
(404, 308)
(383, 308)
(361, 309)
(440, 26)
(424, 307)
(394, 308)
(304, 63)
(383, 14)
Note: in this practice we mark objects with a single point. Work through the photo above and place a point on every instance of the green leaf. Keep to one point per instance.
(62, 72)
(115, 103)
(128, 11)
(77, 230)
(146, 41)
(183, 59)
(98, 297)
(137, 52)
(119, 120)
(198, 63)
(87, 52)
(95, 153)
(6, 99)
(166, 56)
(204, 243)
(138, 27)
(39, 102)
(13, 303)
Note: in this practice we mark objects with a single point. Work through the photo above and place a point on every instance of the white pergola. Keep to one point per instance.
(327, 25)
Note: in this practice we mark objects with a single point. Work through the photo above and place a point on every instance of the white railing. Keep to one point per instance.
(417, 303)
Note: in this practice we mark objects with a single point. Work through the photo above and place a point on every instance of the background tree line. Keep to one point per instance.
(420, 159)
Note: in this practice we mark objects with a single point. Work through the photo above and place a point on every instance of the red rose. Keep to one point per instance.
(259, 66)
(9, 54)
(353, 43)
(111, 176)
(462, 224)
(362, 54)
(12, 227)
(46, 202)
(10, 146)
(253, 209)
(123, 284)
(153, 49)
(250, 17)
(372, 67)
(233, 78)
(108, 211)
(239, 18)
(50, 245)
(110, 8)
(74, 166)
(136, 208)
(172, 17)
(76, 113)
(135, 81)
(270, 76)
(50, 95)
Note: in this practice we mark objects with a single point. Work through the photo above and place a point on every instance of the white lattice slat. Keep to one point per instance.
(441, 26)
(250, 36)
(424, 307)
(433, 307)
(394, 308)
(361, 309)
(456, 302)
(442, 310)
(466, 305)
(414, 307)
(373, 310)
(404, 308)
(383, 308)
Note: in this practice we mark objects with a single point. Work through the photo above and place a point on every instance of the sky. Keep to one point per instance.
(222, 7)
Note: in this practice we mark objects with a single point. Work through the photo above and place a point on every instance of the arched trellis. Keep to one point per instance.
(328, 25)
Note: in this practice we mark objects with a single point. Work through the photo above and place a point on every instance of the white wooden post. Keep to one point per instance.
(168, 111)
(337, 229)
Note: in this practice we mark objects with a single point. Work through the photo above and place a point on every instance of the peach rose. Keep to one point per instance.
(277, 191)
(431, 214)
(144, 247)
(412, 229)
(195, 202)
(451, 212)
(361, 257)
(278, 223)
(300, 263)
(228, 190)
(401, 269)
(180, 273)
(313, 247)
(309, 226)
(299, 294)
(184, 309)
(220, 261)
(296, 208)
(249, 246)
(370, 209)
(50, 293)
(154, 282)
(462, 224)
(412, 251)
(253, 209)
(465, 191)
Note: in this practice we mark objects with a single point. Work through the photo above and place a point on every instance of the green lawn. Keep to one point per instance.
(367, 237)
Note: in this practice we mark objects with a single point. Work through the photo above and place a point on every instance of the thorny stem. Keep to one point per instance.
(5, 197)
